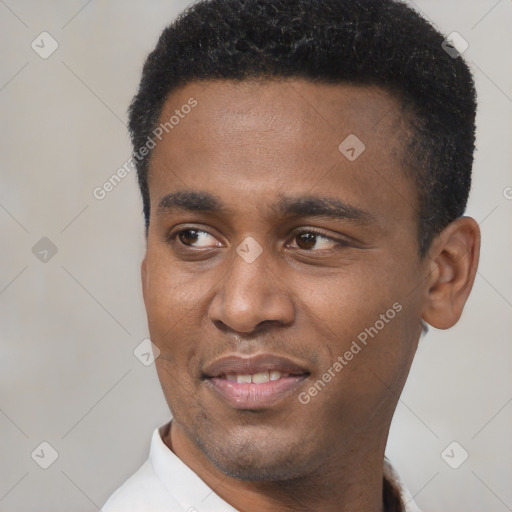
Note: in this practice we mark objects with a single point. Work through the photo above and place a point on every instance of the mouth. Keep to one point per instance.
(256, 382)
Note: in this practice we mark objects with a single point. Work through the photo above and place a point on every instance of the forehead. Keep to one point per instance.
(265, 138)
(295, 114)
(289, 105)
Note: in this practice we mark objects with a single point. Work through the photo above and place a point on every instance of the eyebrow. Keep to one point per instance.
(307, 206)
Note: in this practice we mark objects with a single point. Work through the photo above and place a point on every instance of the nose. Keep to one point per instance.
(251, 294)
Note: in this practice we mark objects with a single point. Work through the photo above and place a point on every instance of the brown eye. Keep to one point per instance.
(313, 241)
(193, 238)
(188, 236)
(306, 240)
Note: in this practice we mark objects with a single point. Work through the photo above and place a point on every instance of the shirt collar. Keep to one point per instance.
(408, 504)
(180, 481)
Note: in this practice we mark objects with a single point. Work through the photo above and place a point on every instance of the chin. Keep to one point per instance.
(257, 458)
(261, 471)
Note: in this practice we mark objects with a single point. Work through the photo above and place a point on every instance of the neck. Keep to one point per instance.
(352, 479)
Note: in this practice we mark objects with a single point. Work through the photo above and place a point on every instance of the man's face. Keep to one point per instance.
(254, 265)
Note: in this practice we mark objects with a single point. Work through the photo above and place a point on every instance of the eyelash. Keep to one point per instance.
(339, 244)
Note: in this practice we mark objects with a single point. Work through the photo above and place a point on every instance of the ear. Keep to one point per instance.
(453, 260)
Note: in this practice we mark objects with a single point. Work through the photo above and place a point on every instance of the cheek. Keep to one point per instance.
(367, 330)
(172, 296)
(173, 304)
(348, 301)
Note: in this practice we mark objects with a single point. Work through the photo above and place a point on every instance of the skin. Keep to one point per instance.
(249, 144)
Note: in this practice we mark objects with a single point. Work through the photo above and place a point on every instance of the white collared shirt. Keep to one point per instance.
(164, 483)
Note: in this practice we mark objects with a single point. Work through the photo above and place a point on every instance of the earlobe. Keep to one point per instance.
(454, 258)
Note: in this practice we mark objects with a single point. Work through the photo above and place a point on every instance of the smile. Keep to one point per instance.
(256, 382)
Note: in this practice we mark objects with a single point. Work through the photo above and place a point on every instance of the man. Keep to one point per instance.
(304, 167)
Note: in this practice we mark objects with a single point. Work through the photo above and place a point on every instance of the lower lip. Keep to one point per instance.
(255, 396)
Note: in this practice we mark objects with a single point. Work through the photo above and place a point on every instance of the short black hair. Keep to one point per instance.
(384, 43)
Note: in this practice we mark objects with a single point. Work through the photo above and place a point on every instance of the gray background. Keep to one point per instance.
(70, 324)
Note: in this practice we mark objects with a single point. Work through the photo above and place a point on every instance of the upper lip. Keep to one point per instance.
(249, 365)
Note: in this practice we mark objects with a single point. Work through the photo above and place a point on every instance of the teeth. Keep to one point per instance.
(256, 378)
